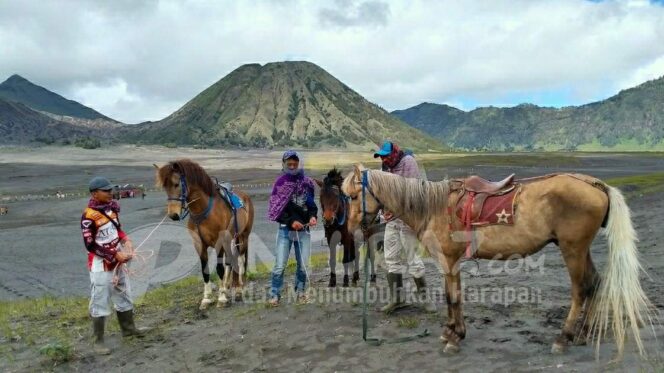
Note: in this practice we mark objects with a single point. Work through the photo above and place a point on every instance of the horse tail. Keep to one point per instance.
(620, 304)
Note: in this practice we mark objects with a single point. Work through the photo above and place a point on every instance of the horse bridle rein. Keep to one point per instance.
(343, 200)
(184, 203)
(366, 188)
(365, 230)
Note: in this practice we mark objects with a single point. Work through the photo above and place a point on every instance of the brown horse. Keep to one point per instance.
(335, 212)
(190, 190)
(566, 209)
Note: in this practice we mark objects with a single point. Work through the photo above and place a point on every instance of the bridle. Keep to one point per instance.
(366, 188)
(184, 203)
(343, 200)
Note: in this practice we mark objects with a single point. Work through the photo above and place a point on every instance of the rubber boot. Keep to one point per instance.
(395, 284)
(333, 280)
(98, 335)
(126, 320)
(372, 279)
(356, 278)
(346, 281)
(423, 297)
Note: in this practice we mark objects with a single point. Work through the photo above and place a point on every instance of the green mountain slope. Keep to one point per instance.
(631, 120)
(19, 89)
(280, 104)
(21, 125)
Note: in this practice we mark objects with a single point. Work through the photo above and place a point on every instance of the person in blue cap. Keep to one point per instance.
(400, 239)
(108, 248)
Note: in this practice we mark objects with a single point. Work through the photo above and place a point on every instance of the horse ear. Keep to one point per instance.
(155, 166)
(320, 183)
(357, 170)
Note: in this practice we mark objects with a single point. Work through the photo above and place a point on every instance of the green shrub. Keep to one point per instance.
(58, 352)
(87, 143)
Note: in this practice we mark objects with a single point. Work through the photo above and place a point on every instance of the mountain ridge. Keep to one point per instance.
(632, 119)
(17, 88)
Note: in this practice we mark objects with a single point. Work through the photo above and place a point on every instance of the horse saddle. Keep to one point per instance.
(483, 202)
(225, 190)
(479, 185)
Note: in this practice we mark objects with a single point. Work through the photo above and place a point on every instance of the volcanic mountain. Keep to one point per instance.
(21, 125)
(280, 104)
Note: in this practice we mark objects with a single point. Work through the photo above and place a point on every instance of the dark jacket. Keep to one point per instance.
(301, 209)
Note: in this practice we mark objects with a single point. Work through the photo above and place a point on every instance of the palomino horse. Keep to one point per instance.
(190, 190)
(566, 209)
(335, 210)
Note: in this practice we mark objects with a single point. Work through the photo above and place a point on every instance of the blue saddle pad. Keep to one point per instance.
(236, 201)
(226, 192)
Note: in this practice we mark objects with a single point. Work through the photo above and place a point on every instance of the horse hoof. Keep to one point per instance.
(557, 348)
(222, 302)
(238, 297)
(205, 303)
(451, 348)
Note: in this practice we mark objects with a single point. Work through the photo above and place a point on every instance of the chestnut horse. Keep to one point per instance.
(191, 191)
(335, 212)
(566, 209)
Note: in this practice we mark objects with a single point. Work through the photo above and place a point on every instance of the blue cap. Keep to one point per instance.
(290, 154)
(100, 183)
(384, 150)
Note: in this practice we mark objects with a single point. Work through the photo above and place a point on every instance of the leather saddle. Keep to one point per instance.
(474, 191)
(479, 185)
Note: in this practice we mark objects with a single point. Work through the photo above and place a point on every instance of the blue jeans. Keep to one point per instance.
(285, 239)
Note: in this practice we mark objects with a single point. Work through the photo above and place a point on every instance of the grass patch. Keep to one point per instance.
(33, 320)
(57, 352)
(639, 184)
(408, 322)
(58, 324)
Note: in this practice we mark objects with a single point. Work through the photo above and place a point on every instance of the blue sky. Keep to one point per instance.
(138, 61)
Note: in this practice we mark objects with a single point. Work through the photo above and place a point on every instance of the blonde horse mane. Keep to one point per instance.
(414, 200)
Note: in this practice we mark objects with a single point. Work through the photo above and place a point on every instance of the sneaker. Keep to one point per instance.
(273, 302)
(302, 298)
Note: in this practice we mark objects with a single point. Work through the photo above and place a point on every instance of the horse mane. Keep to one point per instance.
(414, 199)
(333, 178)
(194, 174)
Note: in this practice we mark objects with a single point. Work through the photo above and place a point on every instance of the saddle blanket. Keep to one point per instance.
(491, 209)
(226, 193)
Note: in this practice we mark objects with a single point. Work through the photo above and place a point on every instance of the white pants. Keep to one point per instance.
(400, 243)
(103, 292)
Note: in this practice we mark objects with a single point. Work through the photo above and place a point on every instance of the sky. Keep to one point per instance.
(142, 60)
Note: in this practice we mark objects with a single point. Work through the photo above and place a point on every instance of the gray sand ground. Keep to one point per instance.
(42, 254)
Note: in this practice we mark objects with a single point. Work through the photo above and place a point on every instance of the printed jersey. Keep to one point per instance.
(101, 238)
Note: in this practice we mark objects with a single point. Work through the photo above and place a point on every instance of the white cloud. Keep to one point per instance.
(140, 61)
(650, 71)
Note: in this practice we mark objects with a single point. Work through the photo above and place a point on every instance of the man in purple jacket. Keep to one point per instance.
(400, 239)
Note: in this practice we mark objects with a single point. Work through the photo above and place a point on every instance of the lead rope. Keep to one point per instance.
(365, 317)
(143, 258)
(304, 264)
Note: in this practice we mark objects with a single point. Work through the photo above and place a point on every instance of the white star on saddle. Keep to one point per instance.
(502, 217)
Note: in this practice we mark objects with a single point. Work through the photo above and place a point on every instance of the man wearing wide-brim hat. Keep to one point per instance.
(108, 248)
